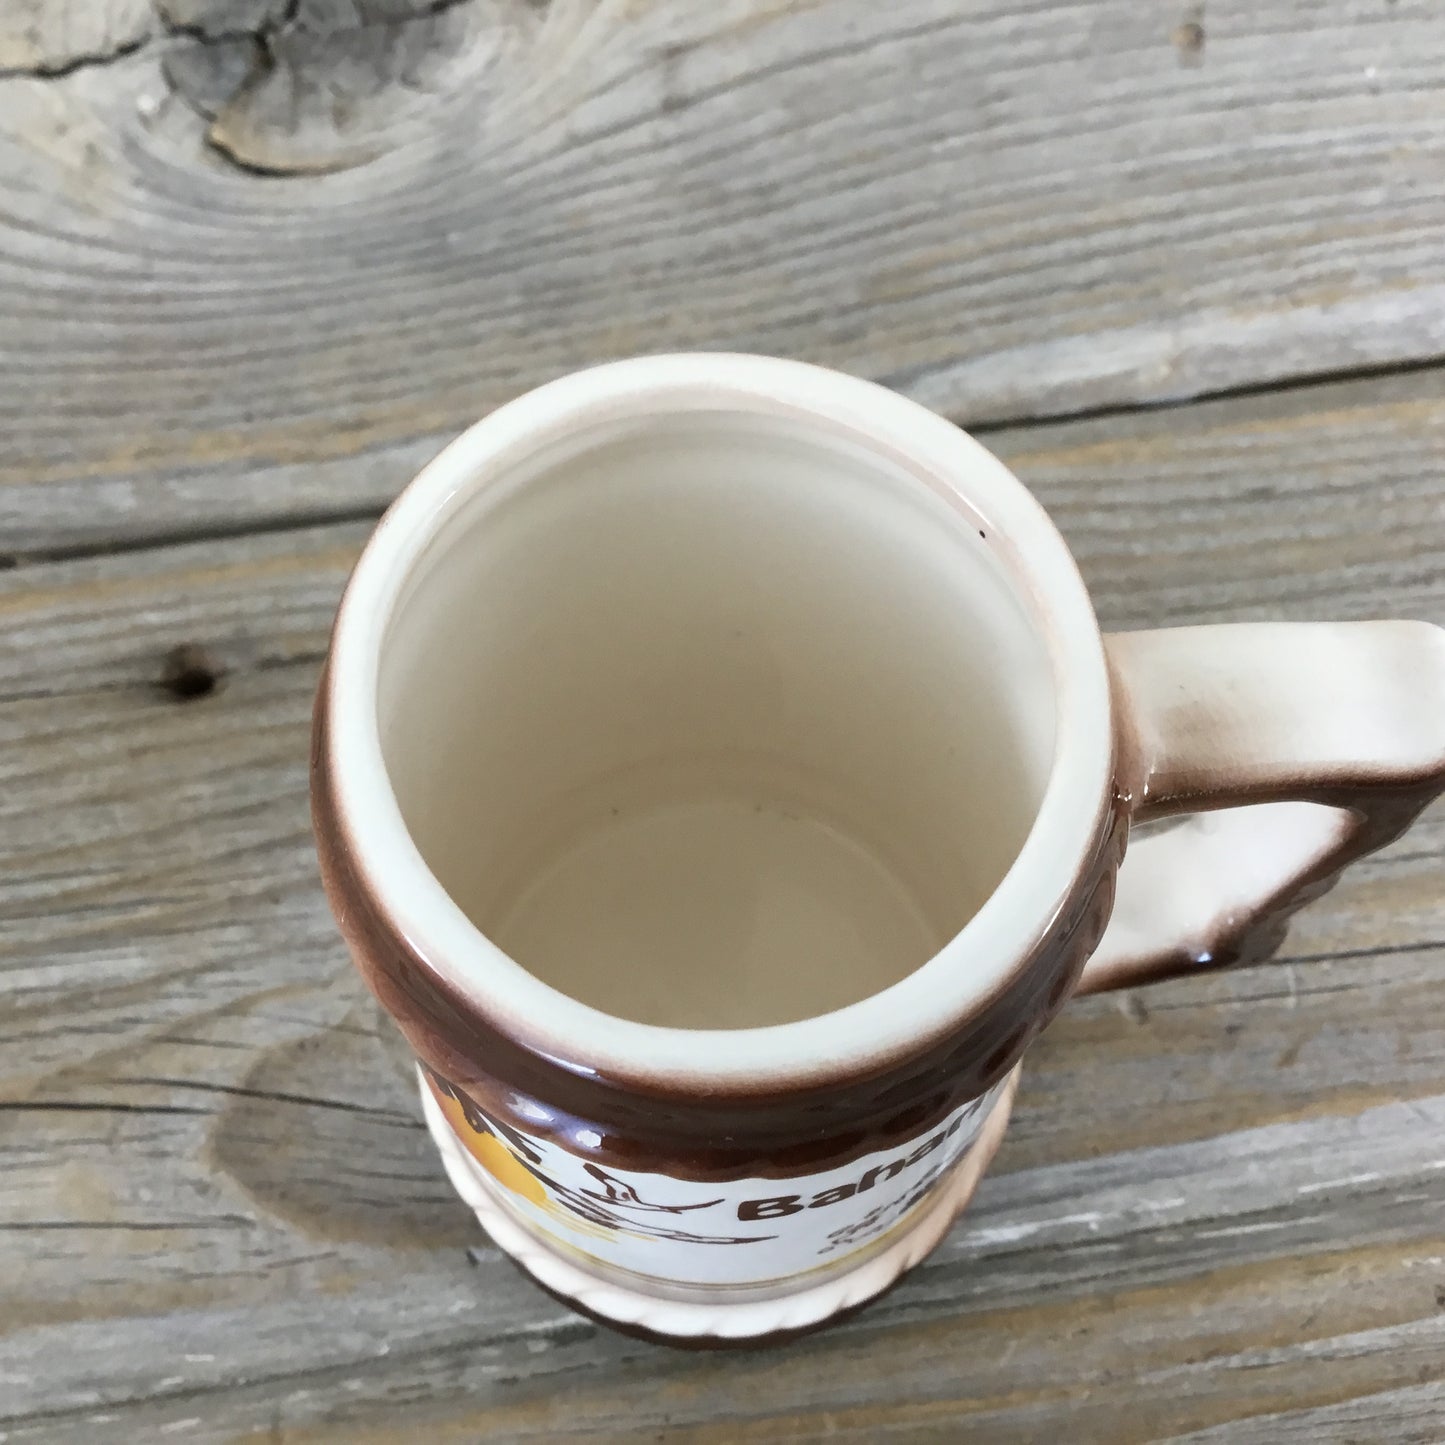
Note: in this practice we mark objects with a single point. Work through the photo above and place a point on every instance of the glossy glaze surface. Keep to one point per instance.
(718, 1133)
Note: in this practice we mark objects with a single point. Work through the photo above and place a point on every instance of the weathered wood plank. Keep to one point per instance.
(1403, 1417)
(1326, 501)
(1218, 1213)
(1053, 212)
(1320, 501)
(1274, 1250)
(250, 602)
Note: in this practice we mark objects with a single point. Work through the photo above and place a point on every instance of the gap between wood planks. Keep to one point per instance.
(992, 426)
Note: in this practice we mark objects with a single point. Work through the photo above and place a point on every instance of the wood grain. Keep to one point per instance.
(258, 260)
(1006, 209)
(1218, 1215)
(1316, 501)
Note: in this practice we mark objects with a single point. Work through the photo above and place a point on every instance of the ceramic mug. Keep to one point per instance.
(721, 778)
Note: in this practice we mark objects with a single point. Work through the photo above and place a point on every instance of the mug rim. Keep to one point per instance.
(941, 996)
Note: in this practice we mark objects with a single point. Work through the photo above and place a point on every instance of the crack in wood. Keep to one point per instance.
(1020, 426)
(62, 69)
(141, 1226)
(64, 1106)
(388, 1116)
(162, 541)
(1285, 385)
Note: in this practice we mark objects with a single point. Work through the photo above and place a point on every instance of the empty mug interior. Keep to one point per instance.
(715, 719)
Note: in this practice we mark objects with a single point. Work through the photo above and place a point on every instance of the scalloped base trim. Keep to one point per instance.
(722, 1318)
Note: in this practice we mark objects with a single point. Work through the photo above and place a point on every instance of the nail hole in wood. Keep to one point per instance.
(1189, 39)
(189, 672)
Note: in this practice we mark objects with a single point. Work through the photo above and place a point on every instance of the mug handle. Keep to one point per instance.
(1294, 748)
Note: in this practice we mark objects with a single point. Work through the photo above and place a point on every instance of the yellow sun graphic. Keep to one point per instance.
(492, 1154)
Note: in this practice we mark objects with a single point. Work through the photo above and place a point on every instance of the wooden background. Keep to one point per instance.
(1184, 268)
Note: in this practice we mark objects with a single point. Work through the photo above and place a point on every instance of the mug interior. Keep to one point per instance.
(715, 719)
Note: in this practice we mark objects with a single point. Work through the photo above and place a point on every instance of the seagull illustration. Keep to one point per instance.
(624, 1196)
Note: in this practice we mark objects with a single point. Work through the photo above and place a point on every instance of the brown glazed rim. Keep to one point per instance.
(509, 1061)
(641, 1124)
